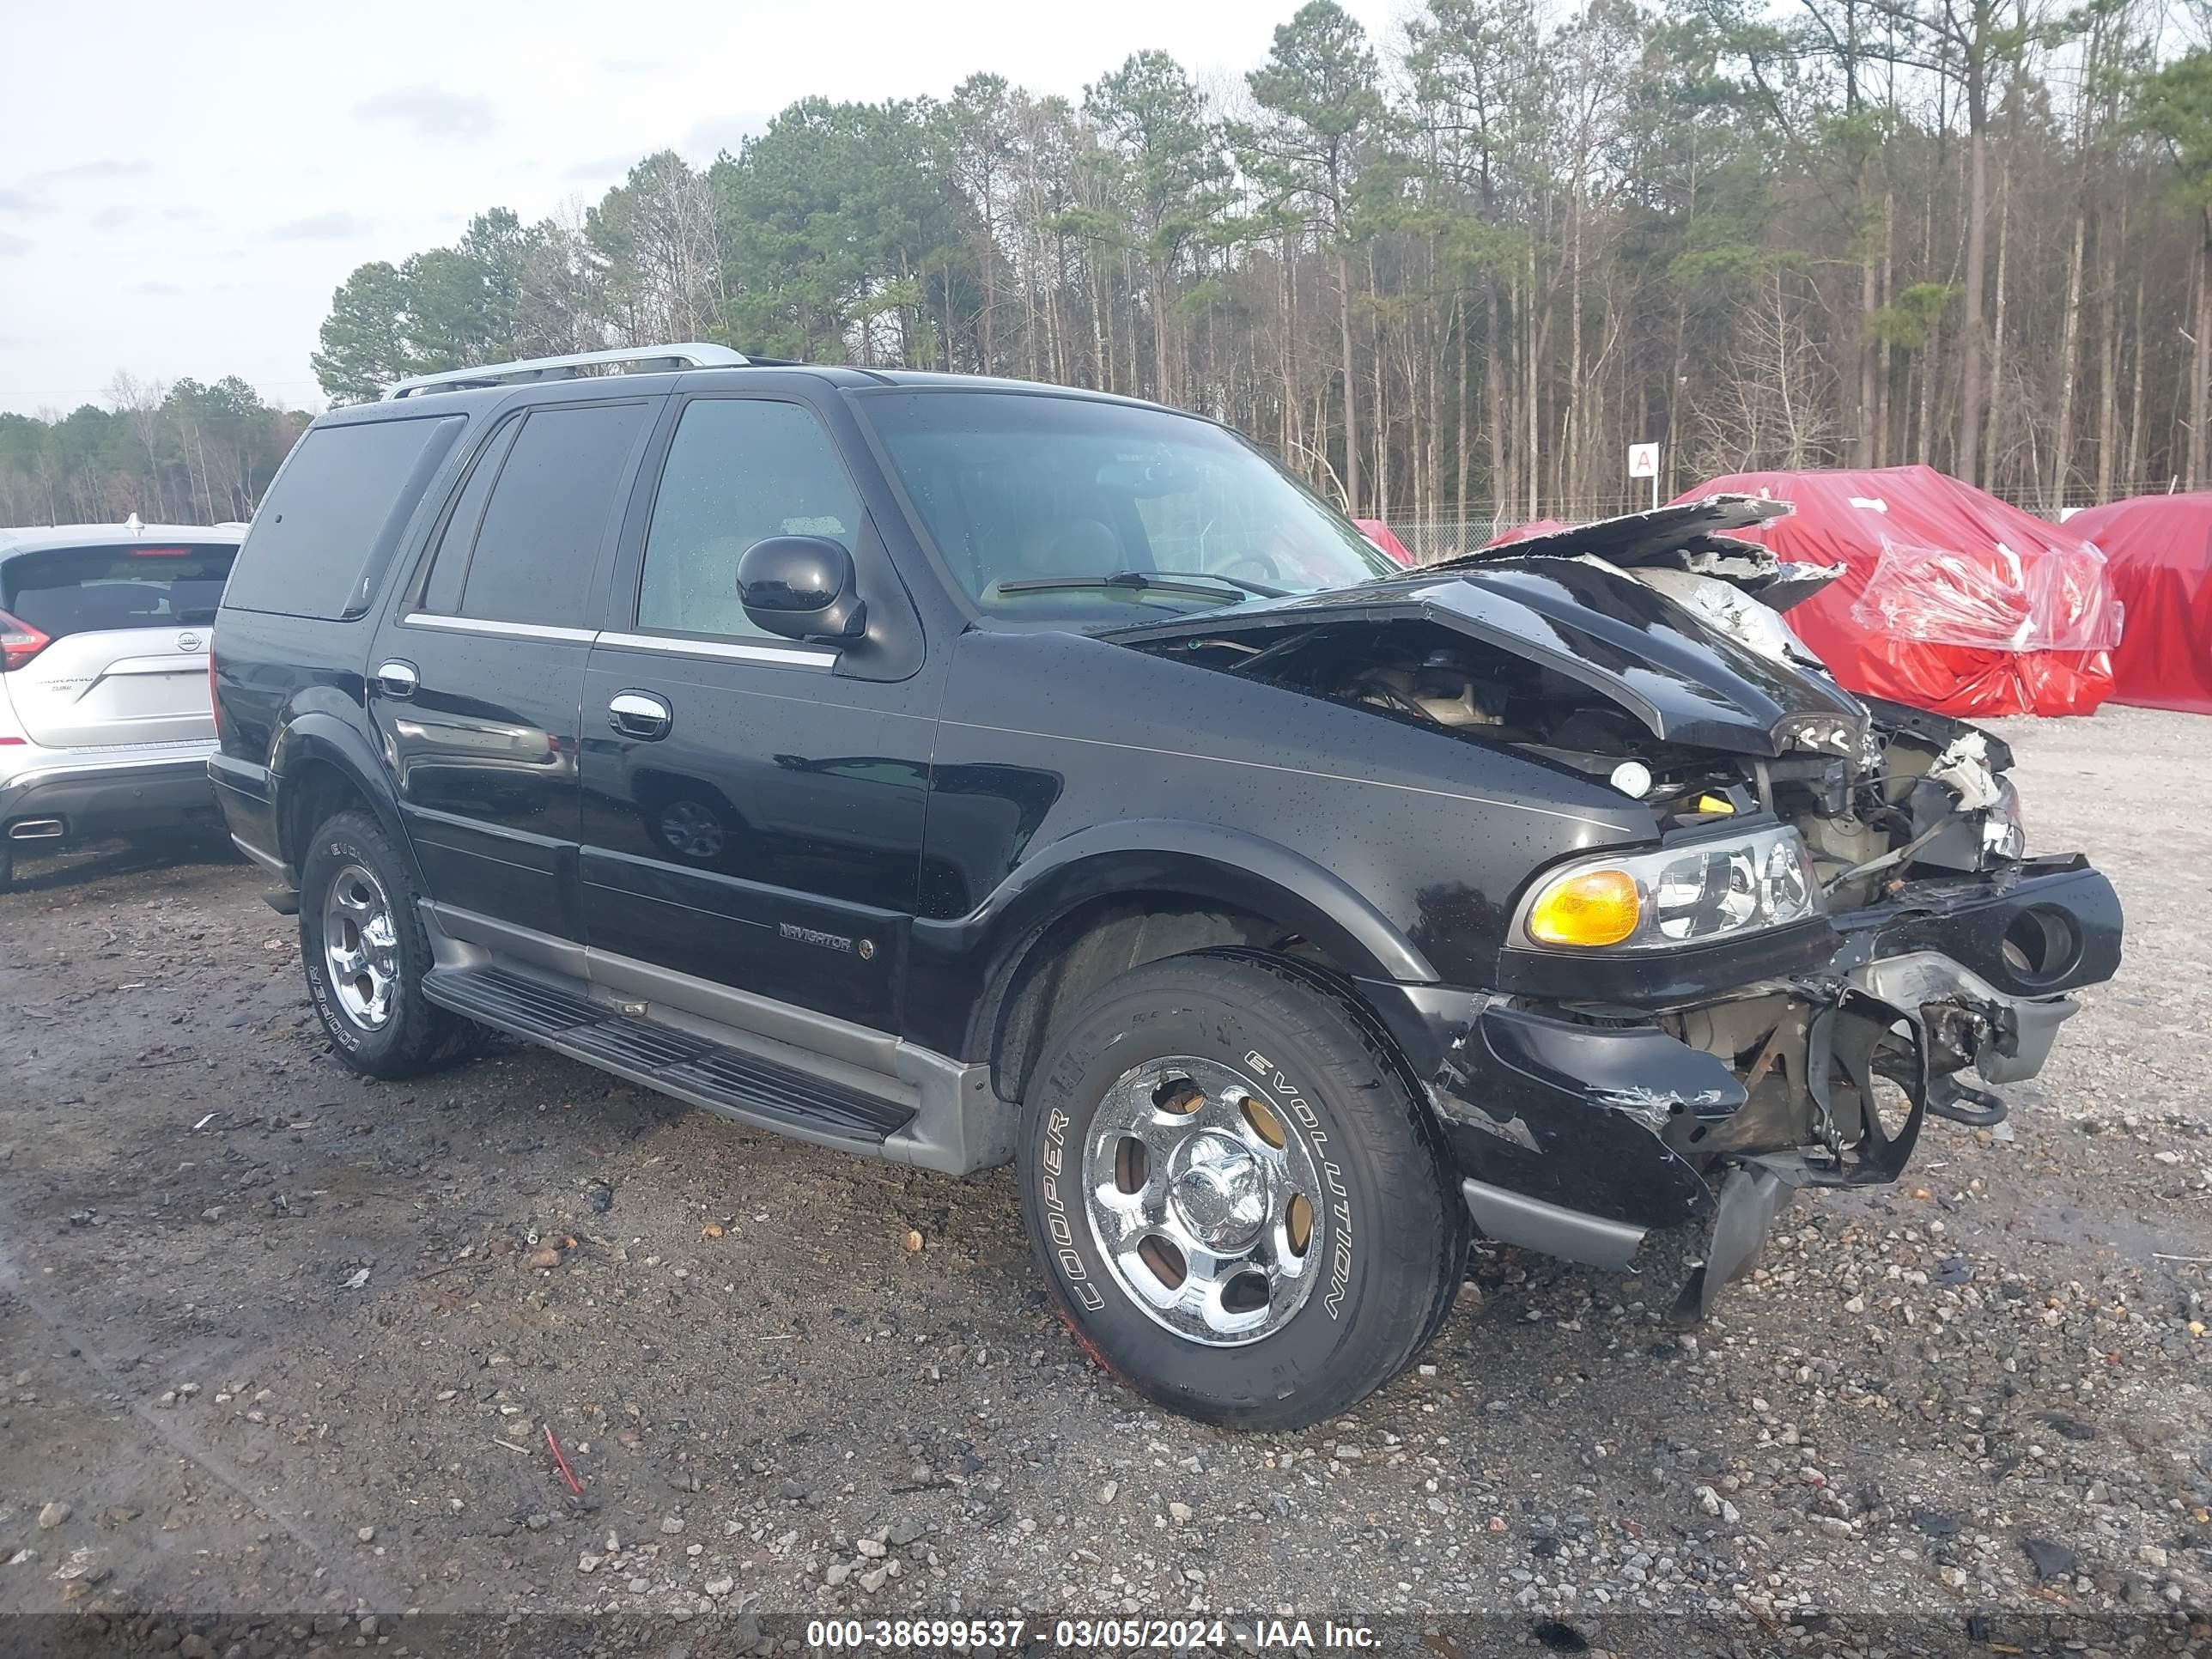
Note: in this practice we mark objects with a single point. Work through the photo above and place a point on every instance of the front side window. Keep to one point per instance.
(738, 472)
(548, 514)
(1073, 508)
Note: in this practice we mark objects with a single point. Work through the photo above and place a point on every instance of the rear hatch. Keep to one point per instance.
(126, 628)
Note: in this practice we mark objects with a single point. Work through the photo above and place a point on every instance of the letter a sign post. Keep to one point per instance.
(1644, 463)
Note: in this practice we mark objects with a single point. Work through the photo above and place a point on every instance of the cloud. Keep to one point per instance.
(607, 169)
(114, 218)
(86, 170)
(633, 65)
(10, 246)
(432, 111)
(156, 288)
(717, 133)
(322, 228)
(22, 201)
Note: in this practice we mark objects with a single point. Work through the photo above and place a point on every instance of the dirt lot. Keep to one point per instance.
(281, 1347)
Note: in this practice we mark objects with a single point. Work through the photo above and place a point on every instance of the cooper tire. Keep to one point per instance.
(413, 1035)
(1386, 1248)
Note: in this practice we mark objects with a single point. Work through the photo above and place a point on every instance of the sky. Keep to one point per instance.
(182, 187)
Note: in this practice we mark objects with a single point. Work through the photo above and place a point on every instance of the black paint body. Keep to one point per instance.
(878, 830)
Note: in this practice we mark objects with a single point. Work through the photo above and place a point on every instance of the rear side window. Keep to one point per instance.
(547, 513)
(332, 517)
(83, 590)
(442, 593)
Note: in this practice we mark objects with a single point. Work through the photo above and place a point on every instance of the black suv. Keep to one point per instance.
(964, 772)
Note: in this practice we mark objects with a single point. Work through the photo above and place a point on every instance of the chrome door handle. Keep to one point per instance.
(397, 680)
(640, 714)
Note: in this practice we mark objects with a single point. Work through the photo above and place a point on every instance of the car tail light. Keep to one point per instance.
(215, 702)
(19, 642)
(161, 552)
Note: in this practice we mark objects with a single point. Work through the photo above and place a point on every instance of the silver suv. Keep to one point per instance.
(105, 719)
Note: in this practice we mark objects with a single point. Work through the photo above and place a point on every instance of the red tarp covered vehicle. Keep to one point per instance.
(1950, 600)
(1522, 532)
(2158, 549)
(1380, 534)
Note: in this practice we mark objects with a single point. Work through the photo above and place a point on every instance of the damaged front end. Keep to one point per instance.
(1835, 933)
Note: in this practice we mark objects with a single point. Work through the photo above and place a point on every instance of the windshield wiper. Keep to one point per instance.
(1150, 582)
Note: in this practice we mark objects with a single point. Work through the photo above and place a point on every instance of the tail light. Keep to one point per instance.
(215, 702)
(19, 642)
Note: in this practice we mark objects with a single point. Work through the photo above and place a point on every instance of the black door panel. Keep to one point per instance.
(482, 745)
(484, 759)
(752, 817)
(771, 840)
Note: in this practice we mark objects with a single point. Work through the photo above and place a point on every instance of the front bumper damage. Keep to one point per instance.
(1578, 1129)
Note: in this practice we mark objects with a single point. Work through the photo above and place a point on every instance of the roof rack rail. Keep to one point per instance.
(632, 359)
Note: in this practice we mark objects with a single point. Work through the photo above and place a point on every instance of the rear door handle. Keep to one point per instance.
(397, 680)
(640, 714)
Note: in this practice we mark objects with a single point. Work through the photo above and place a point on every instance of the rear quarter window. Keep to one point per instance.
(83, 590)
(330, 521)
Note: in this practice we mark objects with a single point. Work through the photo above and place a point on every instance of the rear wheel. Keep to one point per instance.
(1241, 1207)
(363, 943)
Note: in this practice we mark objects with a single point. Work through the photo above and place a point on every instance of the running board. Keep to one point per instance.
(719, 1077)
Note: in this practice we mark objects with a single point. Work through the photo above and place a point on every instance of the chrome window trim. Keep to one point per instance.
(786, 656)
(793, 656)
(478, 625)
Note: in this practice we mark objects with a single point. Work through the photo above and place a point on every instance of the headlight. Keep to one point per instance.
(1682, 896)
(2004, 832)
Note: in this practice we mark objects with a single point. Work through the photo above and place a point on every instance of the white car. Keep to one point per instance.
(106, 723)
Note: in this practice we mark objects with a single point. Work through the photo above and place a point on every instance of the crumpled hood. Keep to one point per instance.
(1687, 681)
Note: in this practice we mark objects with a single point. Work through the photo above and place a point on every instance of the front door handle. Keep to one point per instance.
(397, 680)
(640, 714)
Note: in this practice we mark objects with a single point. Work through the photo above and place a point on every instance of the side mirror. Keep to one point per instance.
(801, 587)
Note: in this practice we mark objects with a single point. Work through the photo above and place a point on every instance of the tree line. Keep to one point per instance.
(1447, 274)
(185, 453)
(1457, 271)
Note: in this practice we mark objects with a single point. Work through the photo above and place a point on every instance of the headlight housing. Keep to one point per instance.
(1688, 895)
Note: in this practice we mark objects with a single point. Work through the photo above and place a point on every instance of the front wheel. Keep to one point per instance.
(1241, 1207)
(363, 943)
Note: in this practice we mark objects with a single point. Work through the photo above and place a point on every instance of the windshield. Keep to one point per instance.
(1035, 501)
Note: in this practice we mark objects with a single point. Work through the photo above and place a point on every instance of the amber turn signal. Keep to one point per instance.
(1595, 907)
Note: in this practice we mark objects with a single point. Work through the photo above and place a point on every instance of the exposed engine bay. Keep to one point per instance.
(1891, 791)
(1652, 654)
(1921, 791)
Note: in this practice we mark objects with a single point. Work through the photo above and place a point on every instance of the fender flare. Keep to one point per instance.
(1204, 862)
(324, 737)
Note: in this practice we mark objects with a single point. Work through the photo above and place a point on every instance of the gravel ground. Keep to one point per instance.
(282, 1347)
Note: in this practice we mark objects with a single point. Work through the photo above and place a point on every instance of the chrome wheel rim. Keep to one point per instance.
(1204, 1200)
(361, 947)
(690, 830)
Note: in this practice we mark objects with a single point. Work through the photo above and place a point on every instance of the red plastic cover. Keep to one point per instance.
(1380, 533)
(2158, 549)
(1951, 600)
(1521, 533)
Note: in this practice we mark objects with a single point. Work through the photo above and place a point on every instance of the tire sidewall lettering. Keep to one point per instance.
(1058, 1176)
(1287, 1097)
